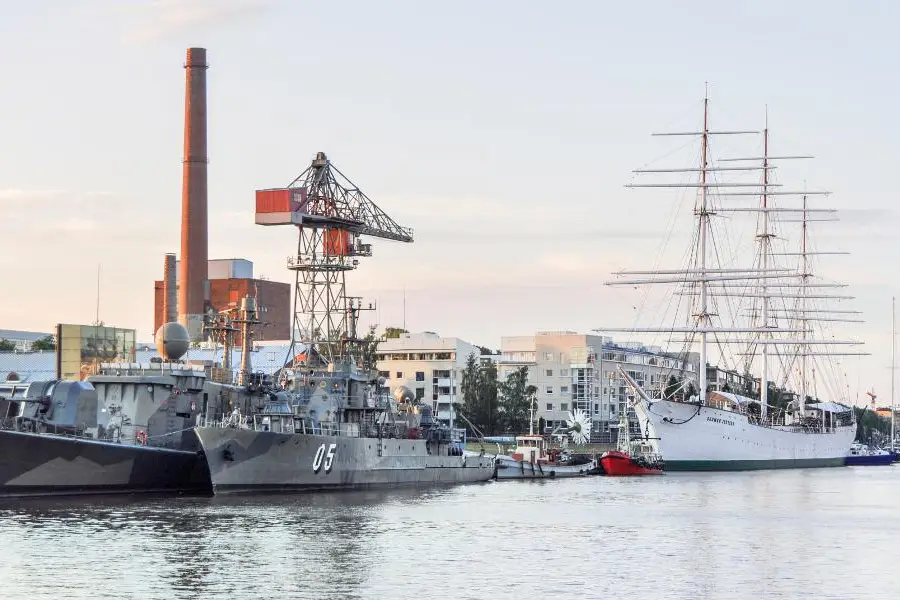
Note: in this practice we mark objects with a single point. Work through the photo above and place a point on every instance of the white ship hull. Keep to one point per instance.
(701, 438)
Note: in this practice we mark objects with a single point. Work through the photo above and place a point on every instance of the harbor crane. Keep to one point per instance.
(332, 215)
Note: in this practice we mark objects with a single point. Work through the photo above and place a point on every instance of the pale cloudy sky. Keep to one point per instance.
(502, 132)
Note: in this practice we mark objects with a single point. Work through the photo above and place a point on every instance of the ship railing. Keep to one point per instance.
(276, 423)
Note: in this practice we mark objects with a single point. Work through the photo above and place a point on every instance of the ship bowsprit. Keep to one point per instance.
(247, 460)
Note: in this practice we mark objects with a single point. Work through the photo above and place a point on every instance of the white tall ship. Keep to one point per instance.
(771, 317)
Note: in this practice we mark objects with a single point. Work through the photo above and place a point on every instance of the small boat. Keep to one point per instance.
(630, 458)
(862, 455)
(535, 458)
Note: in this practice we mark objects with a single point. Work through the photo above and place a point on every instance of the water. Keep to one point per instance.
(821, 533)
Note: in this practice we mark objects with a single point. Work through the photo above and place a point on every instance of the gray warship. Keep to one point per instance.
(125, 430)
(328, 421)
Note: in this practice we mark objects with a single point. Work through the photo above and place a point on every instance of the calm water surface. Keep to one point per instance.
(824, 533)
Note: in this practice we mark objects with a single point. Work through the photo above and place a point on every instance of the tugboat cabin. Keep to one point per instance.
(530, 448)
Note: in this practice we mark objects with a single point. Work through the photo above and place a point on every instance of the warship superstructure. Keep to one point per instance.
(328, 421)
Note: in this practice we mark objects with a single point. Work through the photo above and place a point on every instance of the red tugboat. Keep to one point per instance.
(629, 458)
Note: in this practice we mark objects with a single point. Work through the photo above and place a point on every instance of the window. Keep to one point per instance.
(420, 375)
(563, 372)
(548, 356)
(549, 389)
(399, 375)
(385, 374)
(563, 406)
(549, 406)
(549, 372)
(420, 393)
(596, 408)
(564, 389)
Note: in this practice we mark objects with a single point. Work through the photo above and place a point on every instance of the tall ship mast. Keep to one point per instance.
(328, 421)
(755, 311)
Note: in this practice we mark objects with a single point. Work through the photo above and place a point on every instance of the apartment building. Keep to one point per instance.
(430, 366)
(729, 380)
(572, 370)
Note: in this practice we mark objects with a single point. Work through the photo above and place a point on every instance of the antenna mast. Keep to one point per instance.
(893, 362)
(97, 314)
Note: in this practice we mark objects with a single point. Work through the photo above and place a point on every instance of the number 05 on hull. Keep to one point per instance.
(248, 460)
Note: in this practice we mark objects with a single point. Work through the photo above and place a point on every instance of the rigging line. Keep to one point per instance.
(660, 252)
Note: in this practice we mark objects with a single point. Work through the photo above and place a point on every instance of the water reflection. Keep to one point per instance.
(822, 533)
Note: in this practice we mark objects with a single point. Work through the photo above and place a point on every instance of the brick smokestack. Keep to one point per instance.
(193, 266)
(170, 306)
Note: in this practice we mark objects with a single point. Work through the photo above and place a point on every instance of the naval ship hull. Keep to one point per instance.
(34, 464)
(246, 460)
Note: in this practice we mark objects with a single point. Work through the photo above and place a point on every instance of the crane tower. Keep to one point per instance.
(332, 215)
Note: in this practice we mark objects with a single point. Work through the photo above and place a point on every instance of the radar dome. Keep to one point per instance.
(404, 395)
(172, 341)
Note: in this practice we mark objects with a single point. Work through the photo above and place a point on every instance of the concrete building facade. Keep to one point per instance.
(429, 365)
(572, 370)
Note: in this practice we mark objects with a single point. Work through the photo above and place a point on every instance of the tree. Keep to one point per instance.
(368, 352)
(479, 393)
(869, 426)
(515, 401)
(45, 343)
(485, 350)
(692, 391)
(7, 346)
(671, 387)
(393, 333)
(487, 393)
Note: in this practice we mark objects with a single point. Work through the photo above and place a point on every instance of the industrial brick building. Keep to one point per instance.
(229, 281)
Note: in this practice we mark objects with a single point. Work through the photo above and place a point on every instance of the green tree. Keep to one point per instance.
(393, 333)
(692, 391)
(6, 345)
(368, 358)
(45, 343)
(671, 387)
(870, 428)
(479, 392)
(516, 396)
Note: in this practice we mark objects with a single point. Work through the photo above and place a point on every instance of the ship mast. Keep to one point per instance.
(700, 275)
(703, 317)
(893, 362)
(764, 255)
(804, 318)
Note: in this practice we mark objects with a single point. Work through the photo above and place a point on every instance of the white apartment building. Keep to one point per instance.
(429, 365)
(572, 370)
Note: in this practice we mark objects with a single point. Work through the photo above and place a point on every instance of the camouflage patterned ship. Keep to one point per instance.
(329, 423)
(116, 434)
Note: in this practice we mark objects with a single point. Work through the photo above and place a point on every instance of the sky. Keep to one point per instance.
(503, 133)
